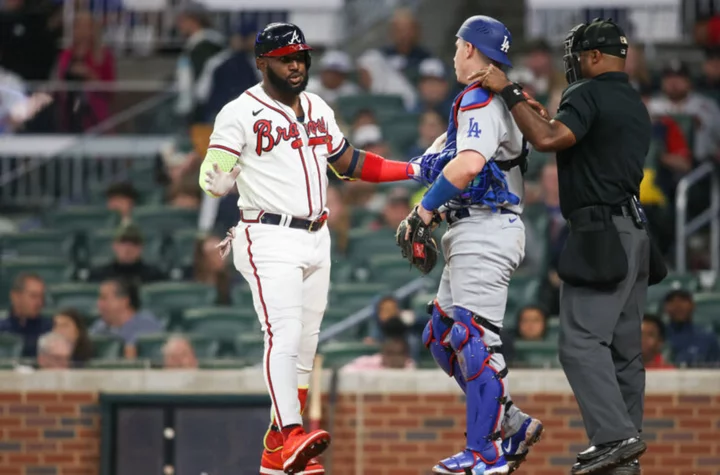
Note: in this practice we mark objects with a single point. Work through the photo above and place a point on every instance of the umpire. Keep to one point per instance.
(601, 134)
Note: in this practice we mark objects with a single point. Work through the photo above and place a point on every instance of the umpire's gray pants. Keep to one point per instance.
(600, 345)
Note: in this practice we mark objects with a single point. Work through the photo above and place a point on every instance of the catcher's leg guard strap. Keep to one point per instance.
(436, 338)
(485, 392)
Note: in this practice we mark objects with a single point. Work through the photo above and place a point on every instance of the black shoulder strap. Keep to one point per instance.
(519, 161)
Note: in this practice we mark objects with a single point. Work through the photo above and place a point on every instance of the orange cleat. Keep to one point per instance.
(300, 449)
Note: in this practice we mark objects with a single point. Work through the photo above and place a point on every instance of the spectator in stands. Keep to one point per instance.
(227, 74)
(121, 316)
(707, 31)
(405, 53)
(195, 24)
(70, 324)
(690, 344)
(178, 353)
(532, 324)
(364, 117)
(16, 107)
(397, 207)
(377, 76)
(122, 197)
(86, 60)
(432, 125)
(709, 83)
(29, 37)
(433, 87)
(546, 78)
(127, 262)
(338, 219)
(653, 341)
(54, 352)
(678, 98)
(372, 140)
(185, 193)
(390, 320)
(636, 67)
(557, 234)
(332, 82)
(209, 268)
(394, 354)
(27, 298)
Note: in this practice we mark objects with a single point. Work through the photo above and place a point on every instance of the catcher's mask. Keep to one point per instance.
(602, 35)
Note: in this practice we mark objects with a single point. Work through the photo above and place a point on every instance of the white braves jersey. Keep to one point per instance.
(283, 160)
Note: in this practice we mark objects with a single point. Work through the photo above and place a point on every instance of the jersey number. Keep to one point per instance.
(505, 47)
(474, 129)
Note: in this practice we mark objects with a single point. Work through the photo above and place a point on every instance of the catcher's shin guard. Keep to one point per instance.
(485, 392)
(436, 338)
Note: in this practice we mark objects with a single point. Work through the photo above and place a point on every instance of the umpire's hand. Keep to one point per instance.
(495, 80)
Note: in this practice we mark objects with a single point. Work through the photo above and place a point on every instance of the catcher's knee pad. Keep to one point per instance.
(485, 392)
(436, 338)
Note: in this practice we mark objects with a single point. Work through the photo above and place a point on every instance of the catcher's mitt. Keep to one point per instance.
(420, 249)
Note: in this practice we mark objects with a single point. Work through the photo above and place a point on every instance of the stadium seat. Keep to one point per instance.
(380, 105)
(355, 296)
(182, 250)
(656, 293)
(37, 243)
(10, 345)
(164, 218)
(401, 132)
(338, 354)
(220, 322)
(150, 346)
(100, 246)
(536, 354)
(223, 364)
(250, 347)
(241, 295)
(365, 242)
(553, 327)
(107, 347)
(51, 270)
(707, 310)
(523, 290)
(361, 217)
(117, 364)
(536, 162)
(392, 269)
(341, 271)
(177, 296)
(82, 218)
(80, 296)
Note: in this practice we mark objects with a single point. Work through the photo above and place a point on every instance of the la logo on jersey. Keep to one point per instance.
(474, 129)
(505, 47)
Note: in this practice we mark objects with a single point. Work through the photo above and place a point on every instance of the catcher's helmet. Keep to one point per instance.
(281, 39)
(489, 36)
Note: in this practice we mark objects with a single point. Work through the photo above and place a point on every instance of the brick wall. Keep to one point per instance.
(47, 433)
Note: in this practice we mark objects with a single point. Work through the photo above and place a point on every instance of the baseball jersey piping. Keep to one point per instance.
(317, 167)
(225, 149)
(267, 323)
(302, 157)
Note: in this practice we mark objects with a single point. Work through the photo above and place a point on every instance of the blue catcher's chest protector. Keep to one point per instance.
(490, 187)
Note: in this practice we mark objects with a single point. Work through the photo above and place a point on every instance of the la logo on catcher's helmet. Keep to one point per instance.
(280, 39)
(489, 36)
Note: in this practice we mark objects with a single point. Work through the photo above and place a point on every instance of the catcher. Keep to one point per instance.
(476, 184)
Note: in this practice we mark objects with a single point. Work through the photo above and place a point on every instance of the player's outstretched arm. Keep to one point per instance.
(218, 172)
(368, 166)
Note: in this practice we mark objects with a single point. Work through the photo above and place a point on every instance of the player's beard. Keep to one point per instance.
(283, 86)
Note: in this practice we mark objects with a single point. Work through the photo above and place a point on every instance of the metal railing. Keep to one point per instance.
(367, 312)
(711, 216)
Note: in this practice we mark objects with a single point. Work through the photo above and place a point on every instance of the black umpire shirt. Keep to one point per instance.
(612, 129)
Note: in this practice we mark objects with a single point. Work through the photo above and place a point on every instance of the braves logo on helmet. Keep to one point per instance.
(281, 39)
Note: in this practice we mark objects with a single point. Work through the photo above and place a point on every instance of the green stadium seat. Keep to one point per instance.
(523, 290)
(100, 246)
(82, 218)
(536, 354)
(177, 296)
(164, 218)
(223, 364)
(536, 162)
(380, 105)
(118, 364)
(341, 271)
(51, 270)
(355, 296)
(250, 346)
(220, 322)
(707, 310)
(107, 347)
(391, 269)
(80, 296)
(401, 132)
(656, 293)
(366, 242)
(361, 217)
(150, 346)
(337, 354)
(241, 295)
(553, 327)
(183, 247)
(37, 243)
(10, 345)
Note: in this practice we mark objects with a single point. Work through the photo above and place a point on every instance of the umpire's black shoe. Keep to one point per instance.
(603, 458)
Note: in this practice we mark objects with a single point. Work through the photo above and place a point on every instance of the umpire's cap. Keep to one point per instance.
(606, 36)
(280, 39)
(489, 36)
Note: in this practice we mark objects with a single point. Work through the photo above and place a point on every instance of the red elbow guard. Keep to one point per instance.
(376, 169)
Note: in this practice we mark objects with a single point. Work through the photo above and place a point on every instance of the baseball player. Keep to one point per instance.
(477, 182)
(275, 143)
